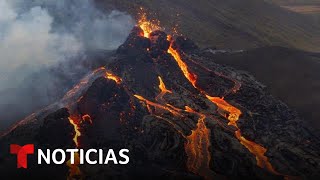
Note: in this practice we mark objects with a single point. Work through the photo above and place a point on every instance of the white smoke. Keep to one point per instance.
(41, 33)
(26, 40)
(35, 33)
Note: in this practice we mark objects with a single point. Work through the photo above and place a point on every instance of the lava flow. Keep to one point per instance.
(233, 116)
(199, 141)
(173, 110)
(76, 128)
(113, 77)
(156, 105)
(233, 113)
(192, 78)
(74, 169)
(197, 148)
(163, 89)
(87, 118)
(76, 120)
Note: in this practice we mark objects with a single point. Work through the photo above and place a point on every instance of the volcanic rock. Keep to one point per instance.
(185, 44)
(145, 101)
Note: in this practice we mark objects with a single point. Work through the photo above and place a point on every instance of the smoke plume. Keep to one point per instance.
(38, 34)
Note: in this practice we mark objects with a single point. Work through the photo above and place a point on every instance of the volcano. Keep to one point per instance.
(180, 114)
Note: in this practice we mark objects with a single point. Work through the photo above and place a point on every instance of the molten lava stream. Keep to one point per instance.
(173, 110)
(254, 148)
(183, 66)
(160, 106)
(113, 77)
(163, 90)
(74, 169)
(198, 142)
(197, 148)
(75, 120)
(75, 124)
(87, 118)
(234, 114)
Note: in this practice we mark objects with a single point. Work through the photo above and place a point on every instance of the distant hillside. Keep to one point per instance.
(308, 7)
(291, 75)
(230, 24)
(295, 2)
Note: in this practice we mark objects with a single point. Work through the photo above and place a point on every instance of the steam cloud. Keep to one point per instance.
(37, 34)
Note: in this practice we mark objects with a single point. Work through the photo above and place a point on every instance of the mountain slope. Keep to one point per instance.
(230, 23)
(306, 7)
(292, 75)
(295, 2)
(179, 118)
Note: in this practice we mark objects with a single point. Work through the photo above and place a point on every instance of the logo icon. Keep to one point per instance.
(22, 152)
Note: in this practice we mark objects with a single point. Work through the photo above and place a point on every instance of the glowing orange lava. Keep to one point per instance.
(162, 86)
(113, 77)
(198, 156)
(197, 148)
(258, 151)
(146, 25)
(76, 120)
(233, 115)
(150, 103)
(198, 142)
(74, 169)
(163, 89)
(76, 130)
(183, 66)
(87, 118)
